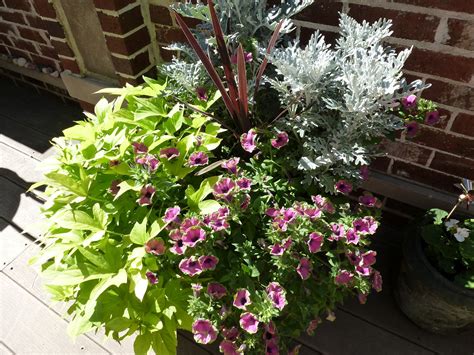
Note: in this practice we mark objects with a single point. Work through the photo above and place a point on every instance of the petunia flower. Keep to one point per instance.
(248, 57)
(171, 214)
(352, 236)
(432, 118)
(276, 293)
(223, 189)
(409, 102)
(372, 223)
(271, 348)
(146, 194)
(315, 242)
(367, 199)
(231, 165)
(196, 289)
(169, 153)
(312, 213)
(230, 334)
(204, 331)
(368, 258)
(139, 148)
(228, 348)
(245, 203)
(152, 277)
(312, 326)
(148, 161)
(190, 267)
(412, 128)
(208, 262)
(280, 141)
(344, 277)
(155, 247)
(178, 248)
(242, 299)
(362, 297)
(249, 322)
(270, 332)
(361, 225)
(343, 187)
(272, 212)
(304, 268)
(377, 281)
(189, 223)
(198, 159)
(201, 93)
(338, 231)
(247, 140)
(244, 184)
(194, 236)
(216, 290)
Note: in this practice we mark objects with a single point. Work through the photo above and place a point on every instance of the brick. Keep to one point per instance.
(44, 8)
(444, 141)
(62, 48)
(123, 23)
(453, 5)
(464, 124)
(306, 33)
(48, 51)
(441, 64)
(17, 53)
(70, 64)
(129, 44)
(324, 12)
(380, 164)
(449, 94)
(132, 81)
(44, 61)
(460, 34)
(132, 66)
(34, 21)
(160, 15)
(453, 165)
(18, 4)
(12, 16)
(167, 55)
(53, 28)
(4, 49)
(87, 106)
(31, 34)
(405, 151)
(425, 176)
(6, 27)
(6, 40)
(167, 35)
(25, 45)
(445, 116)
(112, 4)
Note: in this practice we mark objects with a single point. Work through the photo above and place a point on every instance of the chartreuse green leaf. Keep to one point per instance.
(119, 324)
(155, 85)
(208, 206)
(76, 220)
(467, 248)
(67, 182)
(83, 131)
(195, 197)
(165, 341)
(437, 215)
(142, 344)
(156, 227)
(68, 277)
(139, 234)
(175, 119)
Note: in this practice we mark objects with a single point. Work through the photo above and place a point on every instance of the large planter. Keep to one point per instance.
(427, 297)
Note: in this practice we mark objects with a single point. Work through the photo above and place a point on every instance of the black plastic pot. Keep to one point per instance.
(428, 298)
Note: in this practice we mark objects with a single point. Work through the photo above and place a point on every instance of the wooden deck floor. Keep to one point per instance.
(29, 324)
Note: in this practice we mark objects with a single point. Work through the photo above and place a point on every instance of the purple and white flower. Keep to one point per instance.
(204, 331)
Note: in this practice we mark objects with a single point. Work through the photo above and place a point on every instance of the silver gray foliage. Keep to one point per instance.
(339, 99)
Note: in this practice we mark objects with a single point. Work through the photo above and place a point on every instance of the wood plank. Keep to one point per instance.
(18, 208)
(18, 167)
(4, 349)
(28, 326)
(12, 244)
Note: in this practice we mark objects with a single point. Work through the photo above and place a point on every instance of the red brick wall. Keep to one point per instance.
(29, 29)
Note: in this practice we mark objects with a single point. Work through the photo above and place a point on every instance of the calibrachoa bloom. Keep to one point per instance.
(231, 165)
(280, 141)
(367, 199)
(148, 161)
(152, 278)
(344, 187)
(412, 128)
(216, 290)
(194, 236)
(228, 348)
(276, 293)
(171, 214)
(315, 242)
(249, 322)
(271, 348)
(208, 262)
(377, 281)
(432, 118)
(242, 299)
(247, 140)
(312, 326)
(204, 331)
(244, 184)
(344, 277)
(190, 267)
(155, 247)
(224, 188)
(201, 93)
(409, 102)
(169, 153)
(198, 159)
(146, 194)
(139, 148)
(352, 237)
(304, 268)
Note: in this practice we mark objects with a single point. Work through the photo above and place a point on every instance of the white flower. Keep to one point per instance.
(461, 234)
(451, 223)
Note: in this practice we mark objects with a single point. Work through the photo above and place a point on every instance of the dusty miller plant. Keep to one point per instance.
(339, 99)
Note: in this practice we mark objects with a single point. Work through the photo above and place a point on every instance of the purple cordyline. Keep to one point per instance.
(152, 277)
(198, 159)
(155, 247)
(247, 140)
(242, 299)
(276, 293)
(409, 102)
(432, 118)
(190, 266)
(193, 236)
(201, 93)
(315, 242)
(248, 58)
(216, 290)
(208, 262)
(171, 214)
(146, 194)
(169, 153)
(139, 148)
(231, 165)
(412, 128)
(249, 322)
(343, 187)
(344, 277)
(304, 268)
(280, 141)
(204, 331)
